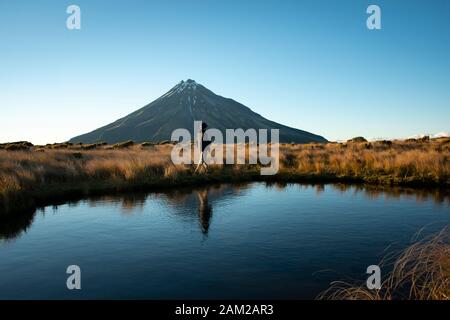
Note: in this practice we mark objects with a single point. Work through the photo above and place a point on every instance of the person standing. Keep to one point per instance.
(203, 141)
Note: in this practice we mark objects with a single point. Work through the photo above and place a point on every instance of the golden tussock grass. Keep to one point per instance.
(396, 163)
(44, 171)
(420, 272)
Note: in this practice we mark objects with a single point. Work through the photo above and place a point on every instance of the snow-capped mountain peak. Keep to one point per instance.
(186, 102)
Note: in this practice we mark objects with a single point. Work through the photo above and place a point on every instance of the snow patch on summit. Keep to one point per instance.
(190, 85)
(186, 85)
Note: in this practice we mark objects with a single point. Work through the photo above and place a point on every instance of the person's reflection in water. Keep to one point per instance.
(204, 210)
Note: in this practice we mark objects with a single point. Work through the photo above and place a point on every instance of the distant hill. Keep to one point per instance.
(178, 108)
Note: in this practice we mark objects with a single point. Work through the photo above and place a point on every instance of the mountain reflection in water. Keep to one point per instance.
(197, 204)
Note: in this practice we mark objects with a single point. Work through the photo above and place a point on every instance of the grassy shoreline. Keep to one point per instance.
(33, 176)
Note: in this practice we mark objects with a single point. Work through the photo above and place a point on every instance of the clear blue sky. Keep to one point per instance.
(309, 64)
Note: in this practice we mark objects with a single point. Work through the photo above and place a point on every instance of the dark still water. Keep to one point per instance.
(228, 241)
